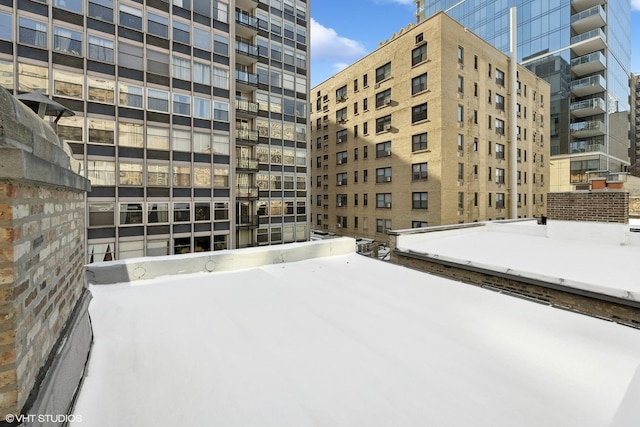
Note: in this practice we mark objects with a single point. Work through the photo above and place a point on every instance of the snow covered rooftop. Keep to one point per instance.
(345, 340)
(595, 257)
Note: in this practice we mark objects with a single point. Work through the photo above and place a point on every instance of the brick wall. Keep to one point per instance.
(596, 206)
(41, 279)
(634, 207)
(589, 305)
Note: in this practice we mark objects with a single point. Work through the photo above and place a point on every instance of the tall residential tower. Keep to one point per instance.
(582, 48)
(190, 116)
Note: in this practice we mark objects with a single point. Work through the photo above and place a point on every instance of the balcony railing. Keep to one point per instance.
(246, 106)
(590, 104)
(244, 191)
(246, 19)
(246, 48)
(247, 134)
(585, 147)
(590, 18)
(251, 164)
(593, 61)
(589, 35)
(589, 127)
(248, 220)
(248, 78)
(597, 81)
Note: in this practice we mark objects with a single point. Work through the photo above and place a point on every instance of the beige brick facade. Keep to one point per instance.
(409, 135)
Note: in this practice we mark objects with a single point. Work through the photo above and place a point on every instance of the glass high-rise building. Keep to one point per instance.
(582, 48)
(190, 115)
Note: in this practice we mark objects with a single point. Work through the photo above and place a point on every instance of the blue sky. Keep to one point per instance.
(343, 31)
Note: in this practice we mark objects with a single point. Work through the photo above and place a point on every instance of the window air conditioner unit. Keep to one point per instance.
(339, 140)
(519, 136)
(388, 152)
(340, 161)
(519, 114)
(387, 127)
(376, 86)
(387, 102)
(339, 204)
(339, 183)
(388, 205)
(388, 179)
(339, 225)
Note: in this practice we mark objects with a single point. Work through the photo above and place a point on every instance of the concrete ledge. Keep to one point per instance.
(104, 273)
(56, 393)
(16, 164)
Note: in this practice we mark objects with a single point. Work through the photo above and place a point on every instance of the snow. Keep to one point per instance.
(597, 260)
(349, 341)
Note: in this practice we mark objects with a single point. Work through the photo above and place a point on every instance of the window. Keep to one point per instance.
(341, 136)
(202, 39)
(181, 104)
(131, 213)
(499, 102)
(220, 78)
(419, 142)
(101, 132)
(383, 149)
(101, 173)
(202, 211)
(181, 176)
(101, 10)
(157, 25)
(475, 89)
(157, 213)
(460, 142)
(181, 32)
(158, 63)
(383, 98)
(220, 111)
(130, 96)
(341, 157)
(460, 114)
(383, 124)
(341, 93)
(72, 5)
(419, 171)
(70, 128)
(500, 200)
(201, 73)
(101, 214)
(182, 212)
(157, 138)
(460, 55)
(499, 176)
(130, 17)
(158, 100)
(460, 200)
(418, 55)
(341, 115)
(460, 84)
(201, 108)
(420, 200)
(419, 113)
(383, 73)
(100, 49)
(221, 44)
(201, 142)
(130, 174)
(6, 26)
(499, 77)
(157, 175)
(460, 171)
(383, 175)
(101, 90)
(221, 177)
(130, 134)
(32, 32)
(475, 62)
(67, 84)
(383, 225)
(500, 127)
(419, 224)
(383, 200)
(341, 200)
(181, 68)
(67, 41)
(419, 84)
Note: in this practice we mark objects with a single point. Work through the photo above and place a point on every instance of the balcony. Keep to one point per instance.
(246, 192)
(588, 129)
(246, 80)
(247, 53)
(246, 136)
(588, 107)
(580, 5)
(588, 86)
(589, 19)
(247, 164)
(589, 64)
(585, 147)
(591, 41)
(247, 24)
(246, 107)
(247, 221)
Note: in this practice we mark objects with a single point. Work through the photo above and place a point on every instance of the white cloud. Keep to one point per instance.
(635, 4)
(327, 44)
(339, 66)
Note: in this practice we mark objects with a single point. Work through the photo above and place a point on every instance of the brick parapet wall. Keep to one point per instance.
(577, 302)
(41, 279)
(595, 206)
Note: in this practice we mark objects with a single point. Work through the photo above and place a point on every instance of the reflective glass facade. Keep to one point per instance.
(582, 48)
(190, 116)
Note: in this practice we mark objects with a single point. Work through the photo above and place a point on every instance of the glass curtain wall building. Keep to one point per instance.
(582, 48)
(190, 116)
